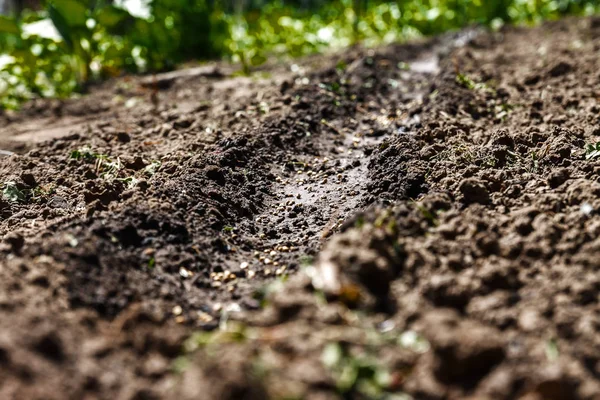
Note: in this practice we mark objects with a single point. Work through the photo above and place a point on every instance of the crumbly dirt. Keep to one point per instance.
(415, 221)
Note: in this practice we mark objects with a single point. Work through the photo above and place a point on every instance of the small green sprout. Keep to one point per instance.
(551, 350)
(228, 229)
(85, 153)
(413, 341)
(263, 107)
(470, 84)
(403, 66)
(333, 87)
(152, 168)
(306, 260)
(151, 263)
(12, 193)
(130, 181)
(39, 192)
(430, 216)
(362, 372)
(360, 222)
(592, 151)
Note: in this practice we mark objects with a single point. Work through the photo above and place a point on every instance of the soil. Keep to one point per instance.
(414, 221)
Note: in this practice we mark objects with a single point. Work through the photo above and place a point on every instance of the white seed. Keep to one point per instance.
(184, 273)
(204, 317)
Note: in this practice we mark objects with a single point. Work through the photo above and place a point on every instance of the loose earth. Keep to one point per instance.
(414, 221)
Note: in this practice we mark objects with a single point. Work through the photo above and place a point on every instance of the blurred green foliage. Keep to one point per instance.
(67, 44)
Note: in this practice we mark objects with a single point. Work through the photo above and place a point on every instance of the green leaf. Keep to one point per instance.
(12, 193)
(592, 151)
(74, 13)
(9, 25)
(113, 18)
(61, 25)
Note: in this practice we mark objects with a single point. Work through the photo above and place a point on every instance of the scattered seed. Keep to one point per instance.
(177, 310)
(204, 317)
(267, 261)
(244, 265)
(280, 271)
(184, 273)
(180, 319)
(250, 274)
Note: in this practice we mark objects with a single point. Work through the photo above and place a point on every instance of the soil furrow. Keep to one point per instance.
(414, 220)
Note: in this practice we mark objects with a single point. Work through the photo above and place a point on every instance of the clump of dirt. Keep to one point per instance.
(418, 220)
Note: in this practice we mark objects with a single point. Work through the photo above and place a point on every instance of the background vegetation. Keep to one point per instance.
(63, 45)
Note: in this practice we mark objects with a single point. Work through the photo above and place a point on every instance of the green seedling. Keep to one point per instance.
(413, 341)
(360, 373)
(359, 222)
(341, 66)
(228, 229)
(470, 84)
(152, 168)
(431, 217)
(263, 107)
(592, 151)
(551, 350)
(403, 66)
(108, 169)
(232, 332)
(12, 193)
(85, 154)
(333, 87)
(306, 260)
(130, 181)
(40, 192)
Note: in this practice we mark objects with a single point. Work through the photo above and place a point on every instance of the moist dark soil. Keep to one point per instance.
(414, 221)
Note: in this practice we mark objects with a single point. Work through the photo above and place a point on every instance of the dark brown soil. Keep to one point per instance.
(417, 221)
